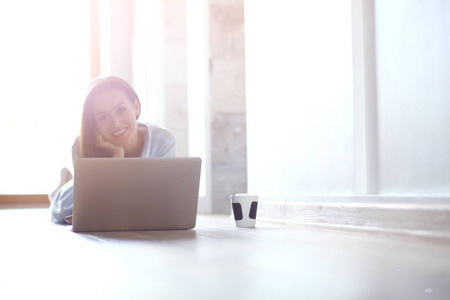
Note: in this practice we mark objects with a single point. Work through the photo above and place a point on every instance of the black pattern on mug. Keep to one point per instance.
(253, 209)
(237, 211)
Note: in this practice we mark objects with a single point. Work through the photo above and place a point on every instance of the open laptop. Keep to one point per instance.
(135, 193)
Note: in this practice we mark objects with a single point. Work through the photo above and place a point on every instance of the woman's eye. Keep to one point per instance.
(121, 109)
(101, 118)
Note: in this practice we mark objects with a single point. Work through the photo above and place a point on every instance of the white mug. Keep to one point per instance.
(244, 209)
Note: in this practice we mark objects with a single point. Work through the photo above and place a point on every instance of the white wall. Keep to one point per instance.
(413, 62)
(300, 103)
(299, 97)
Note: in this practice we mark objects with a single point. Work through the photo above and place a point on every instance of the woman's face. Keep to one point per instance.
(115, 117)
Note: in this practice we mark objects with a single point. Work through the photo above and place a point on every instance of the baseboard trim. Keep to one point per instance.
(24, 201)
(422, 220)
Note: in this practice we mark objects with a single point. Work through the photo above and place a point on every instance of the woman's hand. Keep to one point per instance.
(100, 142)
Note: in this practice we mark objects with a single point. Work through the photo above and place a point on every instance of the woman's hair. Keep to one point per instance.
(97, 86)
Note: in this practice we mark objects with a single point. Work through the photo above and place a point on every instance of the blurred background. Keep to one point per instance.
(286, 99)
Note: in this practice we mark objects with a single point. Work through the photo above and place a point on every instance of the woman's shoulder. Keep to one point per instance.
(156, 131)
(159, 141)
(76, 151)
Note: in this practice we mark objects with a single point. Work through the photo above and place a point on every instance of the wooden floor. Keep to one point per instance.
(216, 260)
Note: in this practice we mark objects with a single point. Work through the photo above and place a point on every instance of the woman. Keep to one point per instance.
(109, 128)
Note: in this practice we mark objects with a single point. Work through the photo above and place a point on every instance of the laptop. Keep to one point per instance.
(135, 193)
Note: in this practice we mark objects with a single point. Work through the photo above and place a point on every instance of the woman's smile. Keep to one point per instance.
(119, 132)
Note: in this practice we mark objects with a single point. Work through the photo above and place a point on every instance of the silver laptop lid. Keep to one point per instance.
(112, 194)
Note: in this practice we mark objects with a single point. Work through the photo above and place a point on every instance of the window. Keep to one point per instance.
(44, 73)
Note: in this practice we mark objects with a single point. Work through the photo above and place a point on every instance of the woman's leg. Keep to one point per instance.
(66, 176)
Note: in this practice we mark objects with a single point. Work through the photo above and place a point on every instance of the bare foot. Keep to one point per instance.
(66, 176)
(69, 219)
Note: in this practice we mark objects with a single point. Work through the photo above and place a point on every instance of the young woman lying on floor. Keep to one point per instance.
(109, 128)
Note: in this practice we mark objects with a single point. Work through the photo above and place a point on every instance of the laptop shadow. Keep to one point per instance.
(151, 236)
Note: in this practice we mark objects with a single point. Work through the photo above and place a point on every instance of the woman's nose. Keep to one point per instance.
(115, 120)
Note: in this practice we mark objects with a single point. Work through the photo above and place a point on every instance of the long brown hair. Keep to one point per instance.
(87, 137)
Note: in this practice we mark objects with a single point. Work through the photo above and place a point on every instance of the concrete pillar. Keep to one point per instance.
(227, 102)
(175, 72)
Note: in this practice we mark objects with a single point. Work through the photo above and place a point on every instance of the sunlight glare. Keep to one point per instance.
(44, 73)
